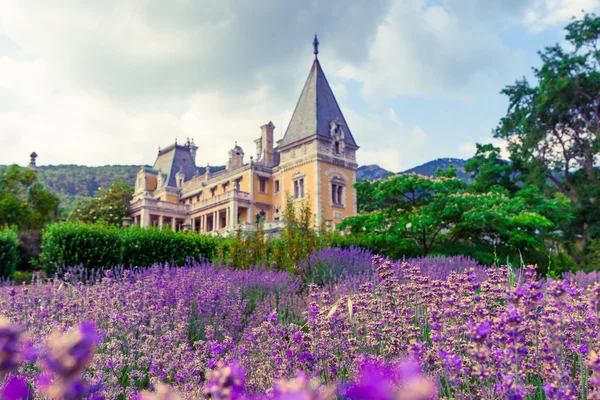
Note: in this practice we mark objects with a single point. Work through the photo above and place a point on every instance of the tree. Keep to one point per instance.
(490, 170)
(552, 127)
(110, 206)
(24, 202)
(435, 212)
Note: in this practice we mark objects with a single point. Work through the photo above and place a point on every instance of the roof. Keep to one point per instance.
(174, 158)
(316, 109)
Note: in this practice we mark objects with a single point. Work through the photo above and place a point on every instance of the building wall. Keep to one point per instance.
(329, 210)
(308, 172)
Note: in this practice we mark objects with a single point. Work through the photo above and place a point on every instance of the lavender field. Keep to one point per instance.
(347, 326)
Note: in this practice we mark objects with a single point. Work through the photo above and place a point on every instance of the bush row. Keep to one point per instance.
(8, 252)
(98, 246)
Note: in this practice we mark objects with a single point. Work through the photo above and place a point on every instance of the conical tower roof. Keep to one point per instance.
(317, 108)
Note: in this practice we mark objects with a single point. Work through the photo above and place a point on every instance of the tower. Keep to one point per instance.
(319, 150)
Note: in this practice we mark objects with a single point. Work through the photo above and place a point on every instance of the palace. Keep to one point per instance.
(316, 160)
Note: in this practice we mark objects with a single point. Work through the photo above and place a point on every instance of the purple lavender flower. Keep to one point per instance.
(10, 356)
(66, 358)
(15, 389)
(226, 382)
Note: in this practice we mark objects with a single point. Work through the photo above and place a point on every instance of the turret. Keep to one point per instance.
(236, 157)
(32, 165)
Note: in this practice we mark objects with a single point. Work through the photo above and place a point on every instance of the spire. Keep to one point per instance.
(316, 109)
(316, 46)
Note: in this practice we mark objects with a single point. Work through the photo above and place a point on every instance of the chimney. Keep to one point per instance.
(267, 143)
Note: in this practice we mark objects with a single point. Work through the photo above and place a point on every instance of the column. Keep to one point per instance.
(173, 224)
(215, 220)
(234, 213)
(144, 218)
(250, 213)
(227, 215)
(160, 222)
(194, 224)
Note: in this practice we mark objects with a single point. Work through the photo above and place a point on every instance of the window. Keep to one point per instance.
(262, 185)
(299, 188)
(225, 186)
(276, 186)
(213, 191)
(337, 147)
(337, 192)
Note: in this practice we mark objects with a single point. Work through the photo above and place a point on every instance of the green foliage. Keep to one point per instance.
(552, 128)
(300, 236)
(24, 202)
(102, 246)
(592, 257)
(8, 252)
(297, 241)
(433, 213)
(110, 206)
(247, 249)
(490, 170)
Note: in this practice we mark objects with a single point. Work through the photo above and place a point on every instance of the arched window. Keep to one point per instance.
(337, 189)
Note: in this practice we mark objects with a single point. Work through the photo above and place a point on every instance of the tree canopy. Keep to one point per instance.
(24, 202)
(110, 206)
(433, 212)
(552, 126)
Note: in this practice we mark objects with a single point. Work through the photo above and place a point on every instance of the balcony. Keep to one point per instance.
(222, 198)
(160, 205)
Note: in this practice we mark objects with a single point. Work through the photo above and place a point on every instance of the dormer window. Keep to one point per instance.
(337, 147)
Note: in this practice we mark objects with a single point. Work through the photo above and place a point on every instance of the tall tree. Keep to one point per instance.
(552, 127)
(110, 206)
(24, 202)
(490, 170)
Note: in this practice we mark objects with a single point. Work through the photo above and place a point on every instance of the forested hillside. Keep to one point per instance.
(71, 182)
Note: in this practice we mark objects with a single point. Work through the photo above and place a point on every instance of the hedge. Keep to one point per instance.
(99, 246)
(8, 252)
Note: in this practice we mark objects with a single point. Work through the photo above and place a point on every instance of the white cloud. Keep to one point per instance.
(468, 149)
(543, 14)
(430, 49)
(388, 159)
(101, 82)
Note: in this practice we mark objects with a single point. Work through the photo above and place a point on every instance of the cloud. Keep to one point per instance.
(542, 14)
(101, 82)
(431, 49)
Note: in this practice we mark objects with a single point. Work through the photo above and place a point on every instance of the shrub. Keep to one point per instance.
(29, 249)
(99, 246)
(8, 252)
(145, 247)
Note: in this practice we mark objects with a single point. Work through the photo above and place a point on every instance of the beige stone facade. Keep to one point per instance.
(316, 159)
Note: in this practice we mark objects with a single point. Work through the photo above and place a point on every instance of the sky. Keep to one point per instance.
(108, 82)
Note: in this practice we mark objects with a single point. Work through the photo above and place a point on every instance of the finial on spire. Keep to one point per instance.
(316, 46)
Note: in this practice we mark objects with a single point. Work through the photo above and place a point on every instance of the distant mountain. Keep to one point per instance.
(429, 168)
(371, 172)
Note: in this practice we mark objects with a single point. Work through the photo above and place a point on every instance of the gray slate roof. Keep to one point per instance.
(171, 159)
(316, 109)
